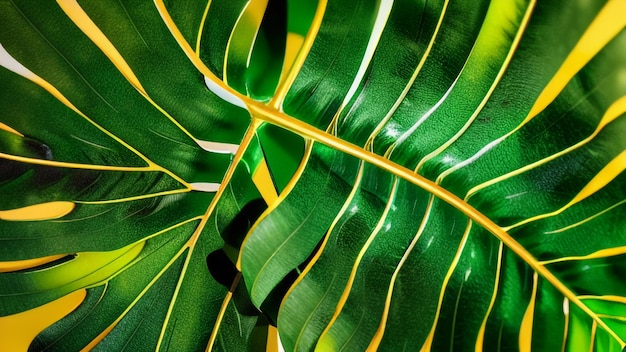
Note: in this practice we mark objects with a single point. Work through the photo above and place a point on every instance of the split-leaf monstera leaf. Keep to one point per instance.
(391, 175)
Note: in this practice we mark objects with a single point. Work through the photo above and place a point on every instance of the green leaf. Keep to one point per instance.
(436, 175)
(114, 161)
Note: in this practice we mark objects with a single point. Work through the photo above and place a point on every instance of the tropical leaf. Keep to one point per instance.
(461, 185)
(123, 180)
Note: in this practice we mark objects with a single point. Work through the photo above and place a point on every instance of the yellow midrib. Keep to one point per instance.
(292, 124)
(272, 115)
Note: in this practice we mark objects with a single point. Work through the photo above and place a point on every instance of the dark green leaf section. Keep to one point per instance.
(26, 184)
(76, 67)
(37, 121)
(544, 136)
(98, 227)
(513, 298)
(549, 321)
(470, 288)
(611, 313)
(600, 341)
(146, 289)
(436, 246)
(135, 288)
(113, 149)
(300, 14)
(202, 293)
(239, 324)
(188, 16)
(140, 327)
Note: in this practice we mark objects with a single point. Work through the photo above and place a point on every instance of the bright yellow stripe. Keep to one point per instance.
(603, 253)
(75, 165)
(292, 48)
(617, 109)
(19, 330)
(294, 69)
(272, 339)
(526, 329)
(612, 317)
(594, 329)
(604, 177)
(263, 181)
(38, 212)
(5, 127)
(218, 321)
(6, 267)
(480, 339)
(73, 10)
(607, 24)
(140, 197)
(431, 335)
(201, 27)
